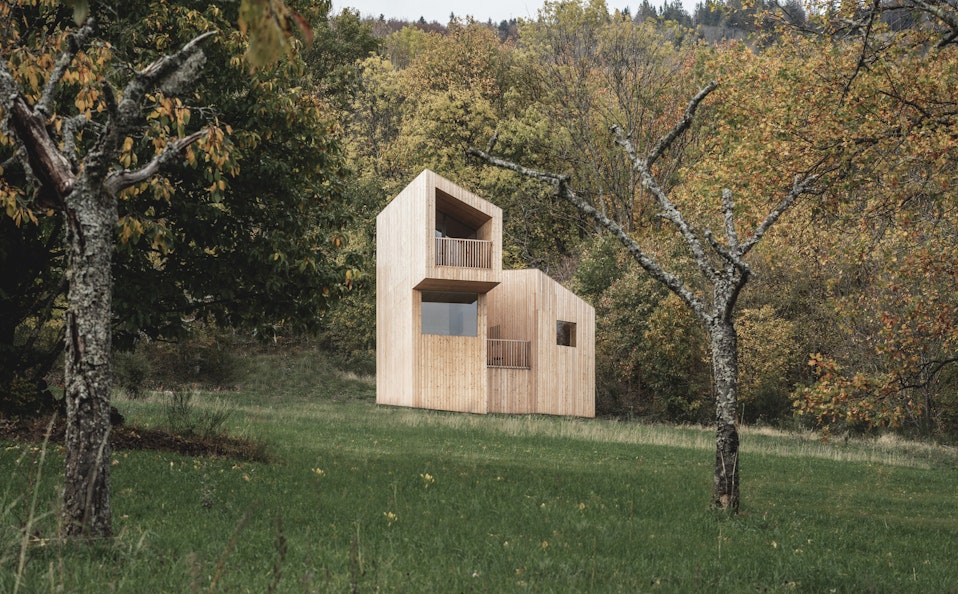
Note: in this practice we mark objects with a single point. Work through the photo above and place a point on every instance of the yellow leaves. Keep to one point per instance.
(11, 199)
(127, 156)
(129, 229)
(270, 25)
(81, 11)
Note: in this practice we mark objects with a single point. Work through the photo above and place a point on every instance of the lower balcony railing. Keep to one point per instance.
(464, 253)
(510, 354)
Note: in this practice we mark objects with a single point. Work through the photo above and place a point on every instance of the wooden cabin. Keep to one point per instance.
(456, 332)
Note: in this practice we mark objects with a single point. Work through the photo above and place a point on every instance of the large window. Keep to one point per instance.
(565, 333)
(450, 313)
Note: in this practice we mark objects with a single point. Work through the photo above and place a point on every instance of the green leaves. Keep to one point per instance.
(270, 25)
(81, 11)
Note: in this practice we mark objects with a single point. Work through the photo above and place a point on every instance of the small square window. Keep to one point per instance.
(565, 333)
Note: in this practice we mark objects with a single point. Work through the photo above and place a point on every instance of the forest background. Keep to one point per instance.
(849, 324)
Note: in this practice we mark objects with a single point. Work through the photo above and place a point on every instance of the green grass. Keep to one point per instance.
(364, 498)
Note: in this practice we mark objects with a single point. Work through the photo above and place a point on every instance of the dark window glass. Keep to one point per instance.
(565, 333)
(447, 226)
(450, 313)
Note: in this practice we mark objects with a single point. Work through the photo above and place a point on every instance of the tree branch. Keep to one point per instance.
(727, 254)
(52, 170)
(74, 42)
(155, 75)
(682, 125)
(799, 187)
(561, 183)
(930, 369)
(70, 128)
(669, 212)
(728, 213)
(951, 20)
(118, 181)
(124, 114)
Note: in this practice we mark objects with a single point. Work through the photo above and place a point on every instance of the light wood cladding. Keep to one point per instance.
(451, 372)
(526, 306)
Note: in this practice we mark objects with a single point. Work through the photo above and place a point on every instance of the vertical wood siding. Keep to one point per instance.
(473, 374)
(561, 381)
(510, 391)
(452, 370)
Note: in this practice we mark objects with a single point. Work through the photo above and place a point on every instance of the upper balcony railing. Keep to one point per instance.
(464, 253)
(510, 354)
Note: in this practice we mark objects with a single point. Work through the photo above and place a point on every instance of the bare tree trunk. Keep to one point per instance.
(727, 279)
(90, 216)
(725, 371)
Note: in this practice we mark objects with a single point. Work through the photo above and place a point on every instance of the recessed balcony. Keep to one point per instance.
(463, 253)
(508, 354)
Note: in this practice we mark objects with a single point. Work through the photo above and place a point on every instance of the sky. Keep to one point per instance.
(481, 10)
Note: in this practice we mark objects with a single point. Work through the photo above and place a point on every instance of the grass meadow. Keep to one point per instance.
(360, 498)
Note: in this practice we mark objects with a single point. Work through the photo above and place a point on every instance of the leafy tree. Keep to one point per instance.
(86, 194)
(895, 114)
(93, 154)
(339, 43)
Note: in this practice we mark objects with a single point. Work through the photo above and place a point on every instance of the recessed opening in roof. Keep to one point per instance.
(459, 220)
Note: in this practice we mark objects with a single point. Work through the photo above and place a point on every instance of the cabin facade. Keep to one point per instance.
(454, 331)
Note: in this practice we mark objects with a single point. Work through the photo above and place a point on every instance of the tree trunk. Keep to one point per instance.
(725, 371)
(90, 218)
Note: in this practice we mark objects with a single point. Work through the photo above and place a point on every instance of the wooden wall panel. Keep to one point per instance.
(575, 366)
(453, 373)
(547, 380)
(401, 244)
(510, 391)
(512, 307)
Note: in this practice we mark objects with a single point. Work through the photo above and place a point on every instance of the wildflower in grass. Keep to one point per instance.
(319, 472)
(427, 479)
(390, 518)
(582, 506)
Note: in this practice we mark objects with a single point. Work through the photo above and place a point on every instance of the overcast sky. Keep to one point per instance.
(481, 10)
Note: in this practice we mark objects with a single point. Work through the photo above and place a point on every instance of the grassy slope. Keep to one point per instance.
(365, 498)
